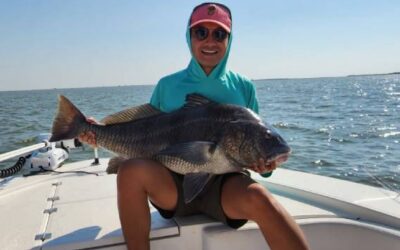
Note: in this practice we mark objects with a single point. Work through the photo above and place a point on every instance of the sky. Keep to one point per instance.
(86, 43)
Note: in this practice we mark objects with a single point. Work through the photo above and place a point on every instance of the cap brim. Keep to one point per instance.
(211, 21)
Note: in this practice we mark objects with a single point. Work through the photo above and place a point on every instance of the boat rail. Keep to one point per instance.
(22, 151)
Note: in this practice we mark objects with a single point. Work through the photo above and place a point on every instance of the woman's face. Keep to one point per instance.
(208, 52)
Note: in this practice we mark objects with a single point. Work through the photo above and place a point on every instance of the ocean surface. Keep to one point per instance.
(344, 127)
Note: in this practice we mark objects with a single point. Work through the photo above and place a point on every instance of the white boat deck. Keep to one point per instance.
(82, 213)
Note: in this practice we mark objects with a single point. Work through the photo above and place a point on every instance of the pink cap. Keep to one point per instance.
(211, 12)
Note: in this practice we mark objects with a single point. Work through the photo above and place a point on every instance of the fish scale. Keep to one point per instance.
(110, 137)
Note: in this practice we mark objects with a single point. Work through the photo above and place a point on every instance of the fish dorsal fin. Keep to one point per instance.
(130, 114)
(195, 100)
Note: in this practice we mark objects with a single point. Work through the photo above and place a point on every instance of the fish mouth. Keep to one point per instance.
(278, 159)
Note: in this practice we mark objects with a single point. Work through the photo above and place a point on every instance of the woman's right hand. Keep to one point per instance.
(89, 137)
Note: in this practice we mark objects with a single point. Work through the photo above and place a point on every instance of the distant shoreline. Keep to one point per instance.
(394, 73)
(83, 87)
(262, 79)
(299, 78)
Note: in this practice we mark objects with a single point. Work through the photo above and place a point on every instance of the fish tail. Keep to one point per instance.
(69, 121)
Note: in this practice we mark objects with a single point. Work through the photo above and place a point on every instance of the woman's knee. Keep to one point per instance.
(147, 178)
(261, 203)
(133, 172)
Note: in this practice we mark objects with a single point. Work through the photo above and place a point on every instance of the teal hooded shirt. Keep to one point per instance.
(221, 85)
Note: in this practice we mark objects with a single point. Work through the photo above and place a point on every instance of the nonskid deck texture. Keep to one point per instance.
(79, 211)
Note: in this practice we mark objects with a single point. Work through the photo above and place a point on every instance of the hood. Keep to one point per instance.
(194, 69)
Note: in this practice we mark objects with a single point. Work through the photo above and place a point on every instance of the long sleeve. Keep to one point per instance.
(155, 97)
(252, 99)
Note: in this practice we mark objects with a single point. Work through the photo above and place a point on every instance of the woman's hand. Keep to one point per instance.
(261, 167)
(89, 137)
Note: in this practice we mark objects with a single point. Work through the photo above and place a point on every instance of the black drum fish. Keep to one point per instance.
(201, 139)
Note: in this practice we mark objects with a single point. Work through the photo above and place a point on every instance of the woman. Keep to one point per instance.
(232, 198)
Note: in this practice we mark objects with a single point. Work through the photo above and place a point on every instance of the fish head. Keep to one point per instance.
(248, 141)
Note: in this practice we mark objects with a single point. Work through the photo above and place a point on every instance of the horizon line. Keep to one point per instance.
(259, 79)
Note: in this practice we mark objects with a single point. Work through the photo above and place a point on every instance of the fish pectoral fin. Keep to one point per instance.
(130, 114)
(197, 152)
(114, 164)
(193, 184)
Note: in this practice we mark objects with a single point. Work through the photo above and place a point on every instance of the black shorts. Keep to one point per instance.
(207, 202)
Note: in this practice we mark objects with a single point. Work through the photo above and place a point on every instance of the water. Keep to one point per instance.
(347, 127)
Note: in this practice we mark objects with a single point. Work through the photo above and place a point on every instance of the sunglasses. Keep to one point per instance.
(201, 33)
